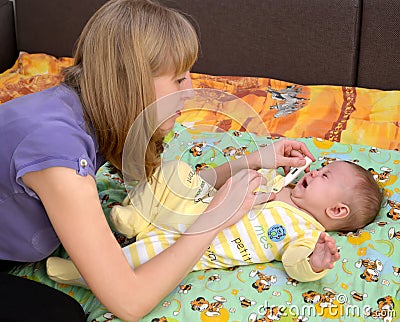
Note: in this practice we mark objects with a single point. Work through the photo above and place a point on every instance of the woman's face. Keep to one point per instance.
(169, 106)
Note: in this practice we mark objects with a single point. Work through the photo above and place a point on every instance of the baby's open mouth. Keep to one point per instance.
(304, 183)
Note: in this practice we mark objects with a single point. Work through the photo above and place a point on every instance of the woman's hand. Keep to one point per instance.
(234, 199)
(283, 153)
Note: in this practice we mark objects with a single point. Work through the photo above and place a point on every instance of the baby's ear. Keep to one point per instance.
(339, 211)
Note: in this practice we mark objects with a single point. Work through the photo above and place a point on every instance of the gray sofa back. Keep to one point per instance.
(8, 44)
(335, 42)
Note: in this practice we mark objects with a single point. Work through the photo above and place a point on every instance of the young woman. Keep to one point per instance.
(130, 53)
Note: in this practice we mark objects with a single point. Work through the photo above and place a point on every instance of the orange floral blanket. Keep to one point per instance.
(335, 113)
(31, 73)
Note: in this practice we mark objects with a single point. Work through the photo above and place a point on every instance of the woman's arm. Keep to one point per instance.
(74, 209)
(282, 153)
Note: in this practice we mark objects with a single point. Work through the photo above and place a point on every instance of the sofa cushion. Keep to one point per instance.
(304, 41)
(8, 52)
(52, 27)
(379, 64)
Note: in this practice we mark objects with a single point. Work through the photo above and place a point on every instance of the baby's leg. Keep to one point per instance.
(150, 245)
(64, 271)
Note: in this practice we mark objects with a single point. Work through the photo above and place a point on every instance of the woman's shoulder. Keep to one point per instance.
(48, 125)
(57, 103)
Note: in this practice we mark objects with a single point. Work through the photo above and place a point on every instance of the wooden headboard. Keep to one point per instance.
(335, 42)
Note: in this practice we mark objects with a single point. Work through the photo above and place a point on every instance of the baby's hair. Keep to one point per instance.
(366, 200)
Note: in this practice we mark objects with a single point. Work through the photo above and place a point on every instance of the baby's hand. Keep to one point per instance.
(325, 253)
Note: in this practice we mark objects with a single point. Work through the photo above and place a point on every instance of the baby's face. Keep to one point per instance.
(324, 188)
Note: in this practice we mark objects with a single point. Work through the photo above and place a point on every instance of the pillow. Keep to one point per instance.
(349, 115)
(334, 113)
(31, 73)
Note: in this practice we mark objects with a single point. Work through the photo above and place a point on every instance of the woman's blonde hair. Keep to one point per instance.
(122, 47)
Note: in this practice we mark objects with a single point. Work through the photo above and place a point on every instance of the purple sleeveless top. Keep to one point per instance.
(38, 131)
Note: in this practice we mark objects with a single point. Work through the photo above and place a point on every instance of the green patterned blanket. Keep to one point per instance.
(363, 286)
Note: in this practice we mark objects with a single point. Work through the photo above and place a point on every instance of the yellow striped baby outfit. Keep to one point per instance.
(272, 231)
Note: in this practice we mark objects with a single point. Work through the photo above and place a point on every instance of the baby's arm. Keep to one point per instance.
(168, 201)
(127, 220)
(296, 260)
(325, 253)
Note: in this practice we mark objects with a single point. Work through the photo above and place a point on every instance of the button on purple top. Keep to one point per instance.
(38, 131)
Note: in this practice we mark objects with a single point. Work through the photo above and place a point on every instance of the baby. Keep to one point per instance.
(341, 196)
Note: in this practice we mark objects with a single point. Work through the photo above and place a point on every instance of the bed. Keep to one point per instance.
(325, 73)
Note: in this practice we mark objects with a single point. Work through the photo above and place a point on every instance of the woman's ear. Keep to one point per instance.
(339, 211)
